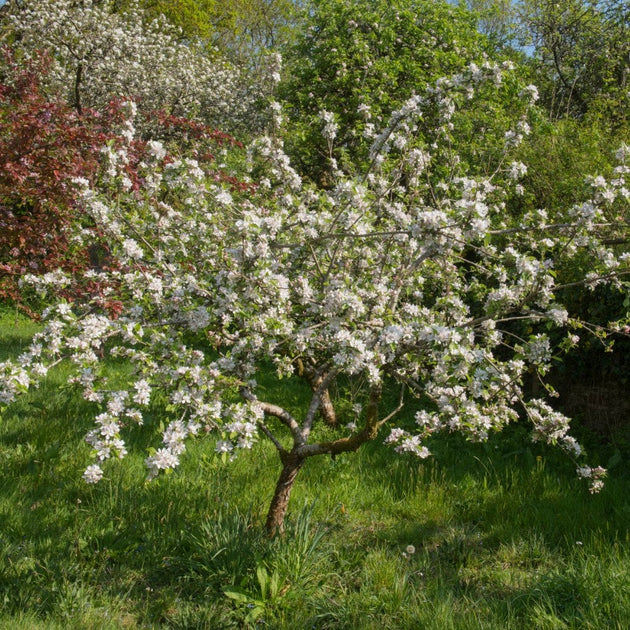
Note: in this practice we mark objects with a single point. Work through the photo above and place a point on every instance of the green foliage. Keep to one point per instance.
(496, 19)
(360, 61)
(560, 156)
(198, 19)
(243, 30)
(580, 56)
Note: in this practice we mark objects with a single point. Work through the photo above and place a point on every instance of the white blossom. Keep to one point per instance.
(93, 474)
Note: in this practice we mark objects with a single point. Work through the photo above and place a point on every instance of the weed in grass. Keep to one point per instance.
(227, 547)
(298, 555)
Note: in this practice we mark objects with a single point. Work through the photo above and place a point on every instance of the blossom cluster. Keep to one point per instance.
(594, 475)
(101, 53)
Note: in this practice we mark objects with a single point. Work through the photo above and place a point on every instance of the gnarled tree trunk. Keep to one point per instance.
(291, 464)
(292, 461)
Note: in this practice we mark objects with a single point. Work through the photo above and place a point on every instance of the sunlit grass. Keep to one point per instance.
(503, 534)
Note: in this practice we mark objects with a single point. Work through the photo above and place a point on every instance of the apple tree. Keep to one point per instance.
(408, 276)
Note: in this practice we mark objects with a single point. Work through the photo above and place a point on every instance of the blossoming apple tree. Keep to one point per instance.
(100, 54)
(412, 276)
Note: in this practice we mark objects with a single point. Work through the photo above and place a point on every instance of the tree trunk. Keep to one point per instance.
(278, 508)
(77, 89)
(326, 407)
(327, 410)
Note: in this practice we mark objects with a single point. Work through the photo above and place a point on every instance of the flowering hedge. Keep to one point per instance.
(44, 144)
(46, 147)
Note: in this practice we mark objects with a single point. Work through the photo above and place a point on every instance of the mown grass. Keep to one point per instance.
(504, 534)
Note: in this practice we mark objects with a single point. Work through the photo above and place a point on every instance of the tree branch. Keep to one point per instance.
(272, 437)
(270, 409)
(316, 400)
(401, 404)
(352, 442)
(77, 89)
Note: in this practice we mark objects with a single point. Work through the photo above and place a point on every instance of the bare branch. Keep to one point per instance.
(315, 403)
(587, 282)
(265, 429)
(553, 226)
(270, 409)
(401, 404)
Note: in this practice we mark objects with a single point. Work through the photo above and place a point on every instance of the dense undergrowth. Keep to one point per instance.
(494, 535)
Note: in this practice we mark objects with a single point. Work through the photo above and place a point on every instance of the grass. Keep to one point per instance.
(504, 534)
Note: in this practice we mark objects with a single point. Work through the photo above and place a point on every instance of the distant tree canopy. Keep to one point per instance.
(242, 30)
(102, 50)
(578, 51)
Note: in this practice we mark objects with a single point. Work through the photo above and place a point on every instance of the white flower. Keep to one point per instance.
(93, 474)
(531, 92)
(364, 110)
(558, 315)
(223, 197)
(330, 126)
(517, 170)
(538, 350)
(143, 392)
(156, 149)
(163, 459)
(395, 435)
(224, 446)
(132, 249)
(623, 152)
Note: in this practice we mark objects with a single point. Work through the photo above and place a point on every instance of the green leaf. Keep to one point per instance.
(255, 613)
(238, 594)
(263, 580)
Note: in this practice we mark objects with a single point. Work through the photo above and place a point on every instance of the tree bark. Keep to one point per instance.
(327, 410)
(326, 407)
(278, 508)
(77, 89)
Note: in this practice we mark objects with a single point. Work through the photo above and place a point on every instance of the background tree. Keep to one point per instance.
(497, 20)
(44, 145)
(580, 55)
(355, 62)
(243, 30)
(100, 54)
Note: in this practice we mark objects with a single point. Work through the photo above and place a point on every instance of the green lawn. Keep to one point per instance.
(503, 534)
